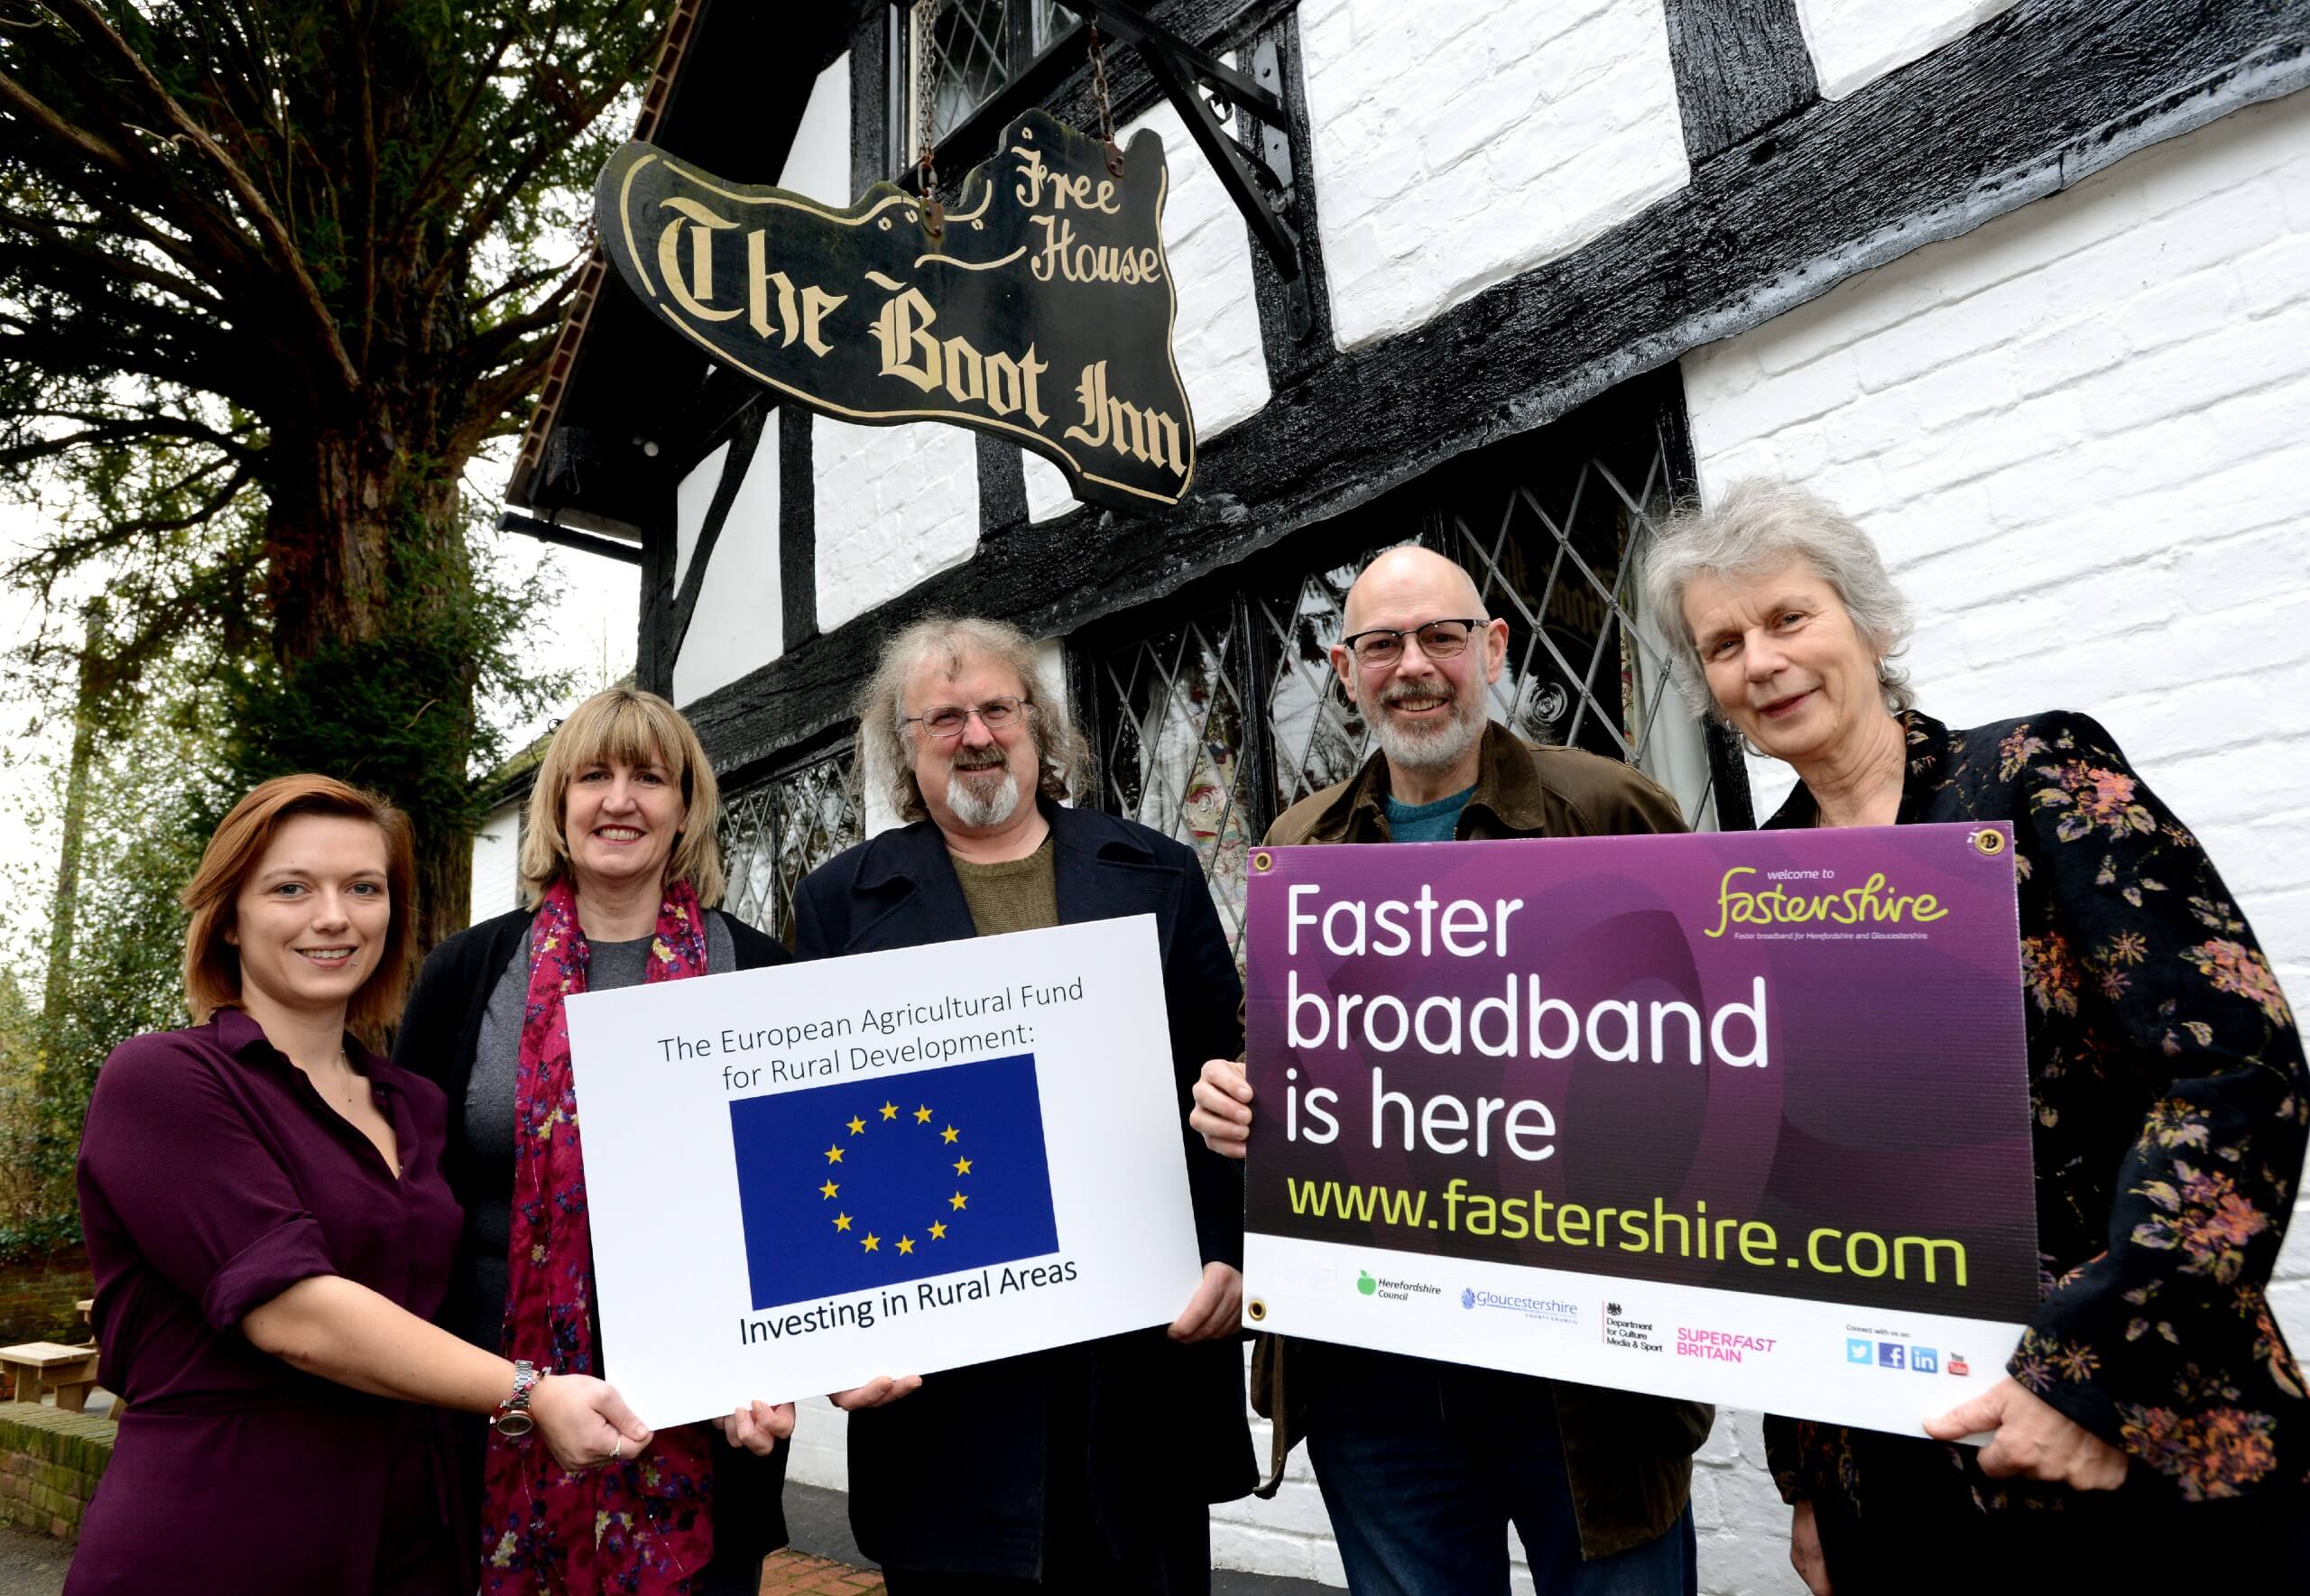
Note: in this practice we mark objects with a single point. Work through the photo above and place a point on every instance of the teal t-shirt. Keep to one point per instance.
(1426, 822)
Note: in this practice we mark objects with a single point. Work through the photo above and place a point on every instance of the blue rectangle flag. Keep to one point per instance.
(847, 1187)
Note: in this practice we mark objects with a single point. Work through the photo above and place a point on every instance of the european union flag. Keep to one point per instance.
(847, 1187)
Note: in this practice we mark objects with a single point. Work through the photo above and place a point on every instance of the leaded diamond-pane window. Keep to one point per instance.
(1318, 736)
(1558, 557)
(963, 53)
(1551, 529)
(776, 832)
(1172, 736)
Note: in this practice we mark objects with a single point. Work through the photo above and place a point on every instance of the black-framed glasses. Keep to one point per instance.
(1438, 640)
(947, 720)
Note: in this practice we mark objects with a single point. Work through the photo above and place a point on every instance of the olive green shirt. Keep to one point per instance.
(1016, 895)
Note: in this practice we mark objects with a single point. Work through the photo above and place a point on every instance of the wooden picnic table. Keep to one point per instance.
(69, 1371)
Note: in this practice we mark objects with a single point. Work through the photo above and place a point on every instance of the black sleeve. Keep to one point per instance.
(755, 949)
(1205, 997)
(432, 1022)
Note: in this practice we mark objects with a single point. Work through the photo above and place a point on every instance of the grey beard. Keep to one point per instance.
(975, 812)
(1437, 750)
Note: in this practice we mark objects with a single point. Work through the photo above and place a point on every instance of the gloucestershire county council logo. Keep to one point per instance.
(1365, 1283)
(1923, 1361)
(1859, 1352)
(1549, 1309)
(843, 1189)
(1891, 1354)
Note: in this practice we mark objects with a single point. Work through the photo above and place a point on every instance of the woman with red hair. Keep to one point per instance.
(270, 1229)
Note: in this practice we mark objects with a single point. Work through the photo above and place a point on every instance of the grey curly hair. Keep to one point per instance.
(1759, 524)
(883, 734)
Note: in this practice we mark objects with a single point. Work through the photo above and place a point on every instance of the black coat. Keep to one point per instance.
(953, 1477)
(440, 1031)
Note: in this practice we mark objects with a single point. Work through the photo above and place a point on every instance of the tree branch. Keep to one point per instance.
(321, 325)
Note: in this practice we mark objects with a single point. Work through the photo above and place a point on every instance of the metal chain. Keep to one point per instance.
(1106, 111)
(926, 13)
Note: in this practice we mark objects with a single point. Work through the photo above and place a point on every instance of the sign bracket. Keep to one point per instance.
(1258, 187)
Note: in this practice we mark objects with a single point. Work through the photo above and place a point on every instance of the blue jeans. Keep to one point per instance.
(1423, 1466)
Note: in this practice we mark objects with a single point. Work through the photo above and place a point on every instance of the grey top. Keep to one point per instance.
(486, 1123)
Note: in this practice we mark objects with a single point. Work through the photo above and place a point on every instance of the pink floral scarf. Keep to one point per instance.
(641, 1525)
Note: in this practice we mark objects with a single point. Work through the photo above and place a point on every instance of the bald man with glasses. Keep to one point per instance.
(1424, 1465)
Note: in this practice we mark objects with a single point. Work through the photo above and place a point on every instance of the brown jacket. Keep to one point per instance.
(1629, 1456)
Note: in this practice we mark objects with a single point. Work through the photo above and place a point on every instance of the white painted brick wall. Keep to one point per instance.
(1215, 329)
(693, 497)
(894, 505)
(1455, 146)
(1854, 43)
(818, 163)
(496, 865)
(2081, 436)
(739, 626)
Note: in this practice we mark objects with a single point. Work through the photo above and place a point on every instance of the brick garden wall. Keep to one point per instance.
(50, 1463)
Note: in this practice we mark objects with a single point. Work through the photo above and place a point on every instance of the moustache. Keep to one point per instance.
(991, 760)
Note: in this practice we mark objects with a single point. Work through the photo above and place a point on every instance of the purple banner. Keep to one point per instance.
(1788, 1064)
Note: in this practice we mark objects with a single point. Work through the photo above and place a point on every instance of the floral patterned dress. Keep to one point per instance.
(2168, 1088)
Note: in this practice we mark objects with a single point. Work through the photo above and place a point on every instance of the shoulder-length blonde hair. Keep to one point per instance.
(212, 966)
(623, 725)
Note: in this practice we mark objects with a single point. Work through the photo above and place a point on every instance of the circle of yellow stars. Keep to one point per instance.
(832, 1190)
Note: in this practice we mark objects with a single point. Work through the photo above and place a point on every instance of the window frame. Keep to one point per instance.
(1030, 76)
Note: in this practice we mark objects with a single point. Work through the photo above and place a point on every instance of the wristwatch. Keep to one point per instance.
(514, 1413)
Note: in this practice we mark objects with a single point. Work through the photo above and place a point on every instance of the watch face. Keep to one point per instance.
(515, 1423)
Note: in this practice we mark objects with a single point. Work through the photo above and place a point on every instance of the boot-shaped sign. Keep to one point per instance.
(1040, 311)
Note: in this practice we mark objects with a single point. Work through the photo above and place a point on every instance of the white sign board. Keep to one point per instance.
(802, 1178)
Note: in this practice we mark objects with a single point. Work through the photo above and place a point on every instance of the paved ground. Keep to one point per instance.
(824, 1561)
(32, 1565)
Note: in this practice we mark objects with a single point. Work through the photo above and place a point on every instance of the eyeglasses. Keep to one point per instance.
(1438, 640)
(947, 720)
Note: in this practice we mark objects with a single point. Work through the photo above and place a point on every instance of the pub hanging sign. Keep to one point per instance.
(1040, 311)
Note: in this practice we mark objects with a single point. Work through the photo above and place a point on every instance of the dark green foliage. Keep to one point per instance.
(271, 274)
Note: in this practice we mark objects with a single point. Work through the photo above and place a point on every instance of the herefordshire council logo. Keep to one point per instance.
(1365, 1283)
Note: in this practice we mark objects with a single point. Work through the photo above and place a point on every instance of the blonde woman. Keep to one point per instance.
(622, 866)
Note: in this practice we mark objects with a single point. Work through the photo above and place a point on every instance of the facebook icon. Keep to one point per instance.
(1890, 1354)
(1924, 1361)
(1859, 1351)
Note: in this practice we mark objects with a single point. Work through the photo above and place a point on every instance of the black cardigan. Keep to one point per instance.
(440, 1031)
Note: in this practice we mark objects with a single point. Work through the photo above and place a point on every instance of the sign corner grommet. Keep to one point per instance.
(1989, 842)
(1262, 860)
(1257, 1310)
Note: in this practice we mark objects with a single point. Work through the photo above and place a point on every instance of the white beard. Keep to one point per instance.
(1437, 747)
(976, 812)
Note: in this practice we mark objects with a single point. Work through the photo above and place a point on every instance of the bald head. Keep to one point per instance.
(1408, 586)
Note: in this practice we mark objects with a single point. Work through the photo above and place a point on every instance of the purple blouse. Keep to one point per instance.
(213, 1178)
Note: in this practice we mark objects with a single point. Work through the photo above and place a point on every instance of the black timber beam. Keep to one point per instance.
(2026, 105)
(545, 531)
(1742, 66)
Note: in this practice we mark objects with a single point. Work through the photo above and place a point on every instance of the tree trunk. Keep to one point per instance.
(378, 640)
(57, 994)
